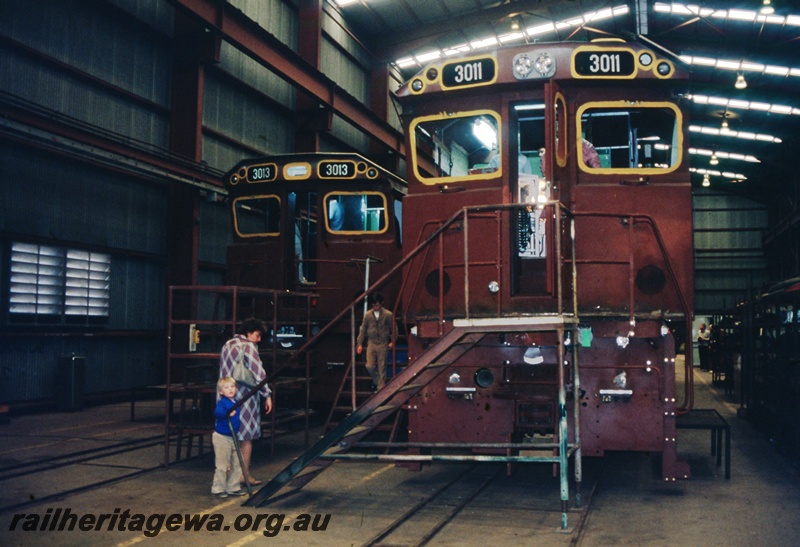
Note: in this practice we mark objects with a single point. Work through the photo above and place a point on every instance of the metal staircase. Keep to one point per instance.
(452, 342)
(367, 416)
(342, 441)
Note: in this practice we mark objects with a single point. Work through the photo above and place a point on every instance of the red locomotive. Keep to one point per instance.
(547, 255)
(324, 223)
(571, 254)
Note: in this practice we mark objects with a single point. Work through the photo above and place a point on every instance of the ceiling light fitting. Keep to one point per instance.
(766, 8)
(706, 181)
(741, 83)
(714, 159)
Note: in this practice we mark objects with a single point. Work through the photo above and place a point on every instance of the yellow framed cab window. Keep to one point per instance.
(624, 137)
(256, 216)
(452, 147)
(356, 213)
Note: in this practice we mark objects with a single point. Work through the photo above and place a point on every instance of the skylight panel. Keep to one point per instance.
(511, 37)
(743, 66)
(744, 105)
(599, 15)
(405, 62)
(746, 135)
(486, 42)
(725, 155)
(741, 15)
(752, 67)
(730, 65)
(536, 30)
(430, 56)
(745, 16)
(776, 70)
(541, 29)
(463, 48)
(715, 173)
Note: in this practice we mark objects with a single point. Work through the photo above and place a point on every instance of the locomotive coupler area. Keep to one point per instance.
(504, 389)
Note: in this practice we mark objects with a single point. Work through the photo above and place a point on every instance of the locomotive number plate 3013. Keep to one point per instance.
(337, 169)
(265, 172)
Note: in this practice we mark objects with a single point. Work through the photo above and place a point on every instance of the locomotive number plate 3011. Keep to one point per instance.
(590, 63)
(468, 73)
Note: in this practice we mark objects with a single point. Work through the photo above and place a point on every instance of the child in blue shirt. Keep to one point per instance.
(228, 470)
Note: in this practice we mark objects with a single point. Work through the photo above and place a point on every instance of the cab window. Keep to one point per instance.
(257, 216)
(363, 212)
(461, 146)
(620, 137)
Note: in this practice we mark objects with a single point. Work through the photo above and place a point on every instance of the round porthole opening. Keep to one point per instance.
(651, 280)
(484, 377)
(432, 283)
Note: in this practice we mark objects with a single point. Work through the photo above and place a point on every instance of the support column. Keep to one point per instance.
(380, 104)
(194, 46)
(312, 117)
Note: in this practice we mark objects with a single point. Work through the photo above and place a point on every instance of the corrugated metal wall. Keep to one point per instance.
(108, 64)
(344, 61)
(251, 105)
(92, 44)
(46, 196)
(278, 17)
(348, 64)
(248, 104)
(29, 365)
(66, 204)
(729, 251)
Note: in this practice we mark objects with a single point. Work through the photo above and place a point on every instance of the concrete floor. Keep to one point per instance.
(758, 506)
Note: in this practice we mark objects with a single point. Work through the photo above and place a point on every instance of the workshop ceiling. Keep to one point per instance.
(722, 39)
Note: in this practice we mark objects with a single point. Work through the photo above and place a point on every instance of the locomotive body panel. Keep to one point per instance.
(623, 247)
(561, 174)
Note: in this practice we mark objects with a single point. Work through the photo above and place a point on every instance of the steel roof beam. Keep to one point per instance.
(234, 27)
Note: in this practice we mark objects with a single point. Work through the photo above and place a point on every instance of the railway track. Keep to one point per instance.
(437, 506)
(71, 466)
(81, 456)
(421, 524)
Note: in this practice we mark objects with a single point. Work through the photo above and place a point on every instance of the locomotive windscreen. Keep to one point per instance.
(632, 138)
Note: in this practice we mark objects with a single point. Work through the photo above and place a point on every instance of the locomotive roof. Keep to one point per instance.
(553, 60)
(367, 170)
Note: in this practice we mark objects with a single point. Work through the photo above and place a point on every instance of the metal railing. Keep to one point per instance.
(206, 315)
(426, 245)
